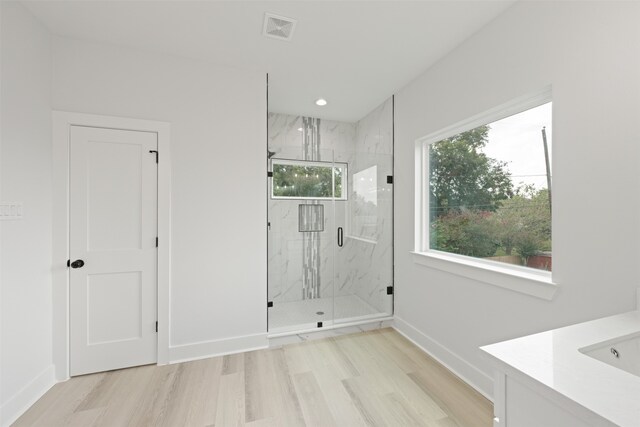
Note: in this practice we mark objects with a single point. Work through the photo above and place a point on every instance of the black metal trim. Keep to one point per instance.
(389, 179)
(269, 174)
(393, 199)
(68, 263)
(389, 290)
(156, 242)
(267, 189)
(157, 155)
(319, 324)
(156, 326)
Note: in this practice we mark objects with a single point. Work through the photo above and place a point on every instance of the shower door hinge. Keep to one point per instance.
(156, 242)
(269, 174)
(389, 290)
(156, 153)
(389, 179)
(319, 324)
(269, 304)
(156, 326)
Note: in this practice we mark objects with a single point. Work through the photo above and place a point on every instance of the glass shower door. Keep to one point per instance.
(364, 258)
(330, 220)
(301, 224)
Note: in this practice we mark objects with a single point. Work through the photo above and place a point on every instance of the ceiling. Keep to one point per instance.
(353, 53)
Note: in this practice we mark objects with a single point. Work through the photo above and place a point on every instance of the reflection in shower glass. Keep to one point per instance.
(364, 204)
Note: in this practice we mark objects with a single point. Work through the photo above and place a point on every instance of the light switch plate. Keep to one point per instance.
(10, 210)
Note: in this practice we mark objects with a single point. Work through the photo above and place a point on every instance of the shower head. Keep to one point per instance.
(270, 154)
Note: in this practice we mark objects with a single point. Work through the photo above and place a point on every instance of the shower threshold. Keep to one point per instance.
(304, 315)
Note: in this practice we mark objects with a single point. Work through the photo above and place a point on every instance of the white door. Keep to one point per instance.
(112, 243)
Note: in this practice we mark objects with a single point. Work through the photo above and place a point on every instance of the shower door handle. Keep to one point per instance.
(340, 237)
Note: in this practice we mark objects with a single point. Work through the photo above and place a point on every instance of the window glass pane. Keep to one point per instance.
(489, 191)
(307, 181)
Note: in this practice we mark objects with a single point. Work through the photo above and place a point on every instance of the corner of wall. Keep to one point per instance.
(26, 371)
(17, 404)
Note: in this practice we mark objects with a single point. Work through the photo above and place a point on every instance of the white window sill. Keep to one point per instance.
(518, 279)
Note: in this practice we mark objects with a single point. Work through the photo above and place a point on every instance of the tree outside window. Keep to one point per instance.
(488, 191)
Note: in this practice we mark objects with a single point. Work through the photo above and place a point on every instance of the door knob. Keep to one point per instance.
(77, 263)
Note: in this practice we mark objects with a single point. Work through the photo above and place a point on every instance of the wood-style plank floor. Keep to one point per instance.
(374, 378)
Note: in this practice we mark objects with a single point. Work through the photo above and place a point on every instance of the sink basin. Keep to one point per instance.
(622, 352)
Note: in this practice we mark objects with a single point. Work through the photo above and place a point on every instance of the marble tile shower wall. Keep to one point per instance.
(286, 243)
(363, 265)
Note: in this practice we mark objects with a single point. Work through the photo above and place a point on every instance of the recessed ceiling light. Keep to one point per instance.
(321, 102)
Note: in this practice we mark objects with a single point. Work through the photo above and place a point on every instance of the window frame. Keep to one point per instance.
(344, 166)
(529, 281)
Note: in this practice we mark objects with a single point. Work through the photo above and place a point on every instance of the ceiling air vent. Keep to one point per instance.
(278, 27)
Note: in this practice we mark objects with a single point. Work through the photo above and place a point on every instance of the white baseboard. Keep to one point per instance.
(205, 349)
(18, 404)
(460, 367)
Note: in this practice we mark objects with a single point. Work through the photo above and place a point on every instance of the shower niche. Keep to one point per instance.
(330, 224)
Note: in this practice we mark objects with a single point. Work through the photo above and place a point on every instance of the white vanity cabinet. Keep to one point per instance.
(519, 405)
(554, 378)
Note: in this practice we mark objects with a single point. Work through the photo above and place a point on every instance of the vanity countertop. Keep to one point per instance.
(552, 359)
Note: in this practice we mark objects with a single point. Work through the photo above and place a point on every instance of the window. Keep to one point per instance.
(299, 179)
(486, 189)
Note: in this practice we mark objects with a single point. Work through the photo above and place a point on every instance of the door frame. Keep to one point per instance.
(62, 122)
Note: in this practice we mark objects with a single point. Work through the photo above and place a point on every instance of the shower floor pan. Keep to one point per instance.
(302, 315)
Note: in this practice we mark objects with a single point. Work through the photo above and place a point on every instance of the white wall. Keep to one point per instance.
(589, 53)
(25, 176)
(218, 144)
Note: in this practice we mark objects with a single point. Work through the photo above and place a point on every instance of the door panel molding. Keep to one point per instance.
(113, 226)
(62, 122)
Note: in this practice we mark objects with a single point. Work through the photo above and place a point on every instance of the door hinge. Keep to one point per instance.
(156, 242)
(269, 304)
(269, 174)
(156, 153)
(156, 326)
(389, 179)
(389, 290)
